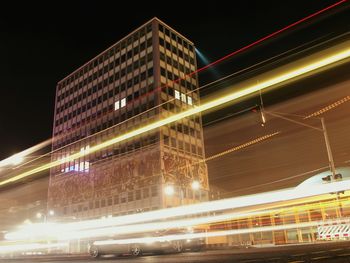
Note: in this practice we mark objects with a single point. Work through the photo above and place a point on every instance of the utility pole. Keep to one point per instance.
(329, 151)
(331, 164)
(325, 135)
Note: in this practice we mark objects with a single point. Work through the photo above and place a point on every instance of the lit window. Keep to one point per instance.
(87, 166)
(183, 97)
(177, 95)
(123, 103)
(189, 100)
(85, 149)
(116, 105)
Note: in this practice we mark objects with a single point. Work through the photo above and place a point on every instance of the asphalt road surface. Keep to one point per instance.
(327, 252)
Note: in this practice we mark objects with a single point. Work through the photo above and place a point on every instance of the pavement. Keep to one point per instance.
(324, 252)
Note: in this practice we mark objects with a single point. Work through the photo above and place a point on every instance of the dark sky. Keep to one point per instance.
(40, 43)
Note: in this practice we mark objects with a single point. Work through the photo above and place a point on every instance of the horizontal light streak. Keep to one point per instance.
(58, 230)
(289, 75)
(29, 247)
(182, 223)
(204, 234)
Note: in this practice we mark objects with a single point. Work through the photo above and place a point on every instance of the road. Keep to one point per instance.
(327, 252)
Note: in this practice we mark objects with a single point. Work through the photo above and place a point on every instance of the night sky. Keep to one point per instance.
(40, 43)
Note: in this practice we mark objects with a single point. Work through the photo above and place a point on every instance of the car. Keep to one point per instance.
(106, 247)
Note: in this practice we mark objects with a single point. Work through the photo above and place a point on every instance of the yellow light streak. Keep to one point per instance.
(19, 157)
(244, 145)
(290, 75)
(329, 107)
(183, 223)
(205, 235)
(29, 247)
(60, 230)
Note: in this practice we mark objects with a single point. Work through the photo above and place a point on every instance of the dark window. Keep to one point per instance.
(143, 76)
(131, 196)
(142, 46)
(162, 56)
(149, 42)
(138, 194)
(129, 54)
(162, 72)
(116, 199)
(167, 32)
(145, 192)
(167, 45)
(154, 191)
(136, 80)
(150, 72)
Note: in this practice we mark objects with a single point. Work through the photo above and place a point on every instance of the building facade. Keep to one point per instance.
(141, 79)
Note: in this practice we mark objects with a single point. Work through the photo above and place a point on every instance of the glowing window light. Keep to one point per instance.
(189, 100)
(116, 105)
(177, 94)
(123, 103)
(87, 166)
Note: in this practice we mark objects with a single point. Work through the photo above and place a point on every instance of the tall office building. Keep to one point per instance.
(127, 86)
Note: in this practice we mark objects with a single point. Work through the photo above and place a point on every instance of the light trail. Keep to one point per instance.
(36, 246)
(232, 203)
(212, 206)
(182, 223)
(51, 231)
(328, 107)
(19, 157)
(242, 146)
(270, 36)
(29, 247)
(289, 75)
(168, 238)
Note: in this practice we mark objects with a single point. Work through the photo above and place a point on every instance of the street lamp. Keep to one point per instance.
(40, 215)
(169, 190)
(195, 185)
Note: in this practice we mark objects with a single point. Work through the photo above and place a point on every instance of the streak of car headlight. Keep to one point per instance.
(204, 234)
(29, 247)
(100, 228)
